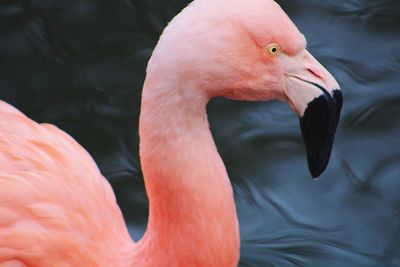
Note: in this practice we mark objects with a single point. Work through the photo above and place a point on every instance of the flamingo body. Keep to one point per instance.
(49, 212)
(56, 209)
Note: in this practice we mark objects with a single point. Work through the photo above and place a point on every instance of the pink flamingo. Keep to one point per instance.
(56, 209)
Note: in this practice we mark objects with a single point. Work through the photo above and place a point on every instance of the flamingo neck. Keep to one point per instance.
(192, 216)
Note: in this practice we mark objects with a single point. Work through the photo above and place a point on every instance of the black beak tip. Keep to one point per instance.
(317, 167)
(318, 127)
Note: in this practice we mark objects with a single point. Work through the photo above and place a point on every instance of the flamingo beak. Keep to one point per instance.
(315, 96)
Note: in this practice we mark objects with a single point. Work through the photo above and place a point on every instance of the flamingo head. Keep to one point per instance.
(250, 50)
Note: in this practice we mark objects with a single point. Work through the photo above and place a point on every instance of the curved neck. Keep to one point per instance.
(192, 217)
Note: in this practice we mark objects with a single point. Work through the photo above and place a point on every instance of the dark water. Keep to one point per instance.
(80, 65)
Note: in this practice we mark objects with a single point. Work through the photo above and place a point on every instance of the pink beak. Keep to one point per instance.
(314, 94)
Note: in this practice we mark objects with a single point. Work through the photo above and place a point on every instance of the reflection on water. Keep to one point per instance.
(84, 65)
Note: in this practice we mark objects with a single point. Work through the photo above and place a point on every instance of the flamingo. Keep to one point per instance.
(58, 210)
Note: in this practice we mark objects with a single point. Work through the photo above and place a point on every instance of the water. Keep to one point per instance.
(80, 65)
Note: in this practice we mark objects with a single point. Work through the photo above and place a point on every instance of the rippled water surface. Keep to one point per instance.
(80, 65)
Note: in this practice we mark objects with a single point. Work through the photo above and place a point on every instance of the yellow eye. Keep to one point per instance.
(274, 50)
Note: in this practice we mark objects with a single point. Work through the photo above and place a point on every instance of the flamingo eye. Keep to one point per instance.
(274, 50)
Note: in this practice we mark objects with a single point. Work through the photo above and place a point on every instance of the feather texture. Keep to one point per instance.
(49, 206)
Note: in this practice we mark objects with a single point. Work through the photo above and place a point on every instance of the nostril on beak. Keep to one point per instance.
(315, 73)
